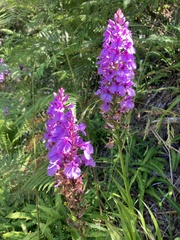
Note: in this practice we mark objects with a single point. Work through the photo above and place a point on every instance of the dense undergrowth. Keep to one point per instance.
(46, 45)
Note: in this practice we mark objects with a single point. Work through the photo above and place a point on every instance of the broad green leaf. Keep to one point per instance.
(19, 215)
(114, 232)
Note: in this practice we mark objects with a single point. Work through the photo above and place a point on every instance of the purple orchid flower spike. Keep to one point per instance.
(116, 67)
(67, 150)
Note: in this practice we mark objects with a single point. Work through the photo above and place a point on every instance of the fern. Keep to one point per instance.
(58, 42)
(39, 179)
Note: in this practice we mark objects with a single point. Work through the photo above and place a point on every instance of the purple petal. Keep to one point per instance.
(88, 162)
(72, 170)
(106, 97)
(81, 128)
(52, 169)
(88, 150)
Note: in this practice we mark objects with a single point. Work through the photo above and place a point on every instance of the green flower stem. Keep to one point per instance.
(124, 172)
(72, 73)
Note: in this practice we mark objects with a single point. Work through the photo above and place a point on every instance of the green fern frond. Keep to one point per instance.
(39, 179)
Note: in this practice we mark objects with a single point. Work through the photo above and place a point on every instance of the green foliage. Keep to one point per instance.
(52, 217)
(58, 42)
